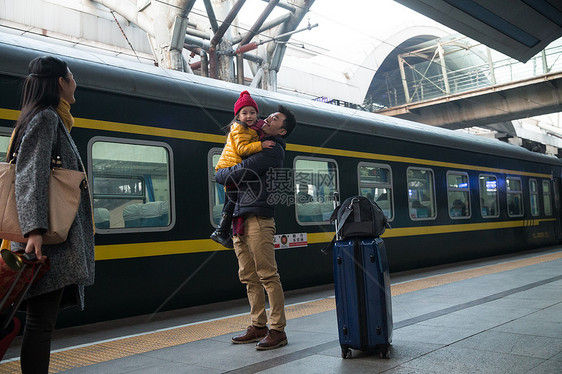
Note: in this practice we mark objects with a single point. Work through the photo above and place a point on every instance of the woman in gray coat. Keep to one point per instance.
(44, 122)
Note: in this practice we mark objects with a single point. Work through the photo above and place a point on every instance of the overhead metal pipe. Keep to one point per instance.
(278, 51)
(266, 26)
(491, 66)
(257, 78)
(443, 68)
(200, 34)
(201, 64)
(253, 58)
(198, 42)
(246, 48)
(254, 45)
(281, 36)
(226, 23)
(247, 56)
(213, 63)
(193, 43)
(259, 22)
(187, 6)
(240, 68)
(211, 15)
(290, 8)
(273, 80)
(401, 63)
(204, 64)
(216, 39)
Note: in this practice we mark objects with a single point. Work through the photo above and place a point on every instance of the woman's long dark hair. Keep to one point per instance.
(40, 91)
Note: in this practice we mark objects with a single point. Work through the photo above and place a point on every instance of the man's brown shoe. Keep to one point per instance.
(252, 334)
(273, 339)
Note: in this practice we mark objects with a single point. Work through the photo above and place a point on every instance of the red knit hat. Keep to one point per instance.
(244, 100)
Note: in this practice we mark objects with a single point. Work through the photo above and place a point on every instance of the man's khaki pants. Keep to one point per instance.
(257, 269)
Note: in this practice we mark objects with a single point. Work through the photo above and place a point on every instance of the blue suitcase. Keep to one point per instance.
(363, 303)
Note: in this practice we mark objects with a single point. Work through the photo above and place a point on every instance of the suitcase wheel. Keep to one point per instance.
(385, 352)
(345, 352)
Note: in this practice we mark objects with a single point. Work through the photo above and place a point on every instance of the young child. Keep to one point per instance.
(243, 140)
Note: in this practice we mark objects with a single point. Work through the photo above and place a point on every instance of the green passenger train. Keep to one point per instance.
(150, 138)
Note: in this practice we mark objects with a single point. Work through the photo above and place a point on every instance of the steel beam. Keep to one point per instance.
(211, 16)
(227, 22)
(286, 6)
(259, 22)
(522, 99)
(266, 26)
(278, 50)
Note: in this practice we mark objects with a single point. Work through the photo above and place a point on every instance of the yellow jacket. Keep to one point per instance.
(241, 142)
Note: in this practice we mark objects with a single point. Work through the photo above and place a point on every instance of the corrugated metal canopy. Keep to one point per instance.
(517, 28)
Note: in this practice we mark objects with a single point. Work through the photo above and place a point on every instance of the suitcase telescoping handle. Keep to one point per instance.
(18, 265)
(336, 204)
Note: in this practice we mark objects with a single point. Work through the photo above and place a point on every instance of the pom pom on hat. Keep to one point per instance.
(245, 100)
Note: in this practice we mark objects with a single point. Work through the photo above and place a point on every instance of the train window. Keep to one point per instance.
(546, 198)
(131, 184)
(421, 194)
(316, 181)
(4, 142)
(488, 196)
(534, 197)
(216, 191)
(514, 197)
(375, 183)
(458, 194)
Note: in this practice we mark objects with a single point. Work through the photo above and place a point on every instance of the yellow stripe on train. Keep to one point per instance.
(10, 114)
(119, 251)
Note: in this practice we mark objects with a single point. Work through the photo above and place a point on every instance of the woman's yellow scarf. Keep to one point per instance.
(64, 112)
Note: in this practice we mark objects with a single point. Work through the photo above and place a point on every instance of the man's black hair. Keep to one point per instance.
(290, 120)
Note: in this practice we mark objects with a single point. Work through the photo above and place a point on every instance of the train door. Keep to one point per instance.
(557, 210)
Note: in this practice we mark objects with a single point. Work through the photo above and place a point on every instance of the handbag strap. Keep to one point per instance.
(345, 214)
(85, 183)
(56, 160)
(55, 156)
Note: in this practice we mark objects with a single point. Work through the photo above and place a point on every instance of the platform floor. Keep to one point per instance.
(496, 315)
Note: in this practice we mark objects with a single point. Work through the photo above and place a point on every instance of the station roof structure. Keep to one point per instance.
(334, 61)
(517, 28)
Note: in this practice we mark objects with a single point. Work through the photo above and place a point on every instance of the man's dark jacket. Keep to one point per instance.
(253, 178)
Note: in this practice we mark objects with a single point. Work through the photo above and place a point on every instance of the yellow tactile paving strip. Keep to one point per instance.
(439, 280)
(110, 350)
